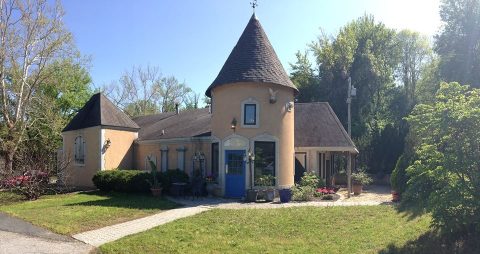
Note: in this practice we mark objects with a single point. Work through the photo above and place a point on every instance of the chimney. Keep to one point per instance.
(176, 108)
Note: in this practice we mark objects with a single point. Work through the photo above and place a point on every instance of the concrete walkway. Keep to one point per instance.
(18, 236)
(104, 235)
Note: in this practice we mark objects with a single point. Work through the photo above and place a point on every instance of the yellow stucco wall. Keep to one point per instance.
(81, 175)
(144, 149)
(274, 120)
(120, 152)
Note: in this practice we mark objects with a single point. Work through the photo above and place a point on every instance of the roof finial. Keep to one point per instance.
(254, 4)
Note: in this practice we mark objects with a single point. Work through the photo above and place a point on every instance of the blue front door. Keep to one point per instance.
(234, 173)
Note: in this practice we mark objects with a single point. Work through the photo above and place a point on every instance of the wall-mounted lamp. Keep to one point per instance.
(289, 106)
(233, 124)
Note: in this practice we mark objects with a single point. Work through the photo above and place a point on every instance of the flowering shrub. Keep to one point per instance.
(210, 179)
(326, 190)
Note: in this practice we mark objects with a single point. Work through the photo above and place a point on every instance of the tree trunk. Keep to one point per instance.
(9, 162)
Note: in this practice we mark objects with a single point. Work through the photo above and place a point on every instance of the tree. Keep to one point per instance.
(192, 100)
(32, 36)
(458, 43)
(144, 91)
(173, 93)
(415, 54)
(367, 51)
(445, 175)
(138, 92)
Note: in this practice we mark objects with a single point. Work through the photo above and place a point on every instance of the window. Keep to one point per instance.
(250, 114)
(181, 158)
(164, 151)
(215, 159)
(264, 160)
(79, 150)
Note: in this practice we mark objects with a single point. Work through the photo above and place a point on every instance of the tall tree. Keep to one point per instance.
(458, 42)
(32, 35)
(415, 54)
(145, 91)
(138, 92)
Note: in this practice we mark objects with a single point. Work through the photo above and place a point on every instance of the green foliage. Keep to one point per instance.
(173, 176)
(136, 180)
(445, 176)
(361, 177)
(305, 190)
(265, 181)
(399, 177)
(458, 43)
(153, 170)
(123, 180)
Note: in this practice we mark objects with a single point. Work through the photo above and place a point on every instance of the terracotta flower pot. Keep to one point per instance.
(395, 196)
(156, 191)
(357, 189)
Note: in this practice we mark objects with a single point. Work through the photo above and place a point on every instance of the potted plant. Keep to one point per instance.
(155, 186)
(359, 179)
(266, 184)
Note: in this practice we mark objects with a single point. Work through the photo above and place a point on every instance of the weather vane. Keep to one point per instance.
(254, 4)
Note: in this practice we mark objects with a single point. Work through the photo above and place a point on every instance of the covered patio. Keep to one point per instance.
(321, 144)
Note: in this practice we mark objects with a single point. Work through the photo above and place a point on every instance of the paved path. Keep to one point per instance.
(100, 236)
(18, 236)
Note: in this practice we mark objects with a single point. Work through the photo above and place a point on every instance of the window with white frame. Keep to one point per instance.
(79, 150)
(250, 113)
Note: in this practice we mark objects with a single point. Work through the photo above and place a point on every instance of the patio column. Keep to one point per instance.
(349, 174)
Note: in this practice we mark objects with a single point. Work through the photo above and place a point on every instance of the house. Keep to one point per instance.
(252, 125)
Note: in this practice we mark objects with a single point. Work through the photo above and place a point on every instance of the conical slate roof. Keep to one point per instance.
(100, 111)
(253, 59)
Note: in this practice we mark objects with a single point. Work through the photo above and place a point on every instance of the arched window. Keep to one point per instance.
(79, 150)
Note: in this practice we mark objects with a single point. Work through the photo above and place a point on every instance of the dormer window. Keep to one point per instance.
(250, 113)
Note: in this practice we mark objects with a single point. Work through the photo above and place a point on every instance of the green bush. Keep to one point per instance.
(136, 180)
(122, 180)
(302, 193)
(173, 176)
(305, 190)
(361, 177)
(399, 177)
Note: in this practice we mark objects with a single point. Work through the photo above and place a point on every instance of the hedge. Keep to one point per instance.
(135, 180)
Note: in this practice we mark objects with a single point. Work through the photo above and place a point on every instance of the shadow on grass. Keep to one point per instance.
(128, 200)
(433, 242)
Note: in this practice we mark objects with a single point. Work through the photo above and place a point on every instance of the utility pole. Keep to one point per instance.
(351, 92)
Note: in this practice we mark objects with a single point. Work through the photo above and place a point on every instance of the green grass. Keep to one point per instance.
(294, 230)
(7, 198)
(78, 212)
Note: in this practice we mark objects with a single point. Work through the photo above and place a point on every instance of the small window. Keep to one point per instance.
(250, 114)
(79, 150)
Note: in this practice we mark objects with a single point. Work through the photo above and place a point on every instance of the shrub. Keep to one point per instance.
(173, 176)
(399, 177)
(305, 190)
(361, 177)
(302, 193)
(122, 180)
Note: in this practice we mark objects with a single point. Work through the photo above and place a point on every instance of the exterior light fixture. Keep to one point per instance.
(289, 106)
(234, 124)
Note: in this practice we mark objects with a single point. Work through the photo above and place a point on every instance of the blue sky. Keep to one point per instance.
(191, 39)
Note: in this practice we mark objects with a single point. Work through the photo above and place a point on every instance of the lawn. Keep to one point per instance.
(362, 229)
(7, 198)
(78, 212)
